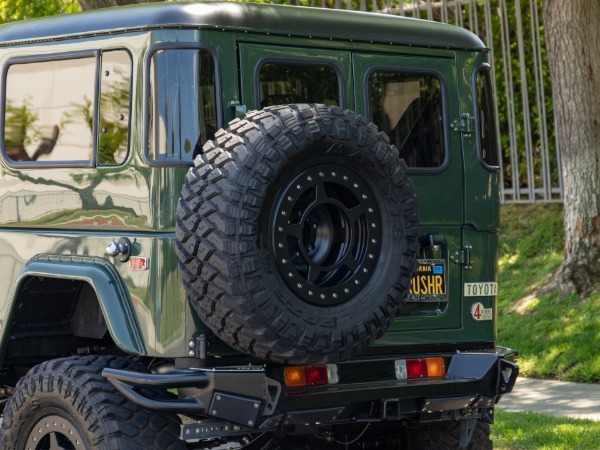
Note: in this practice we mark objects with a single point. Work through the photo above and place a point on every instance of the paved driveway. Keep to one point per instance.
(558, 398)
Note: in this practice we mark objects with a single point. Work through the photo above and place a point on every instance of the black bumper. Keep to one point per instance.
(255, 397)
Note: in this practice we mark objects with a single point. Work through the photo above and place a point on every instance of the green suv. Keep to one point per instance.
(230, 225)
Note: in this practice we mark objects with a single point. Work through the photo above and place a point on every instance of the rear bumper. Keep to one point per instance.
(256, 398)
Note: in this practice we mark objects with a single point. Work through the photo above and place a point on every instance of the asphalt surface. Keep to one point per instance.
(558, 398)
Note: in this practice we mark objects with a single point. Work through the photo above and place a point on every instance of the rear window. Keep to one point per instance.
(115, 103)
(49, 109)
(486, 119)
(282, 83)
(183, 104)
(408, 107)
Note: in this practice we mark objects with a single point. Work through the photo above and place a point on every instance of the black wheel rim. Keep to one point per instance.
(53, 432)
(326, 234)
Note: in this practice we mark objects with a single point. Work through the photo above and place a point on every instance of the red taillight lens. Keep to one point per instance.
(416, 368)
(315, 375)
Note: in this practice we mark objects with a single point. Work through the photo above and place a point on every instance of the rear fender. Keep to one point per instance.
(111, 292)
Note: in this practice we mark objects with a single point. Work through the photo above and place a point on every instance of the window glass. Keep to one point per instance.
(408, 107)
(115, 92)
(285, 83)
(486, 123)
(49, 110)
(183, 104)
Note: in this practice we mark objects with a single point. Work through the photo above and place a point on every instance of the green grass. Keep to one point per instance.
(528, 430)
(556, 337)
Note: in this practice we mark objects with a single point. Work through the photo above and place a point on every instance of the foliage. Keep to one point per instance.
(557, 337)
(527, 430)
(11, 10)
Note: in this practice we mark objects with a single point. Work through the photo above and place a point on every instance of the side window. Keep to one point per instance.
(284, 82)
(49, 110)
(183, 104)
(409, 108)
(486, 123)
(115, 93)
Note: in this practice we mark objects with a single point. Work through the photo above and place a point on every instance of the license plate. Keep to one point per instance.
(429, 282)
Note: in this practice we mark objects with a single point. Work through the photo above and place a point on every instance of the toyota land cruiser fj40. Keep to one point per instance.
(210, 235)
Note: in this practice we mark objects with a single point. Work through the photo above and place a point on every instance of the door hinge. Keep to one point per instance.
(462, 257)
(466, 124)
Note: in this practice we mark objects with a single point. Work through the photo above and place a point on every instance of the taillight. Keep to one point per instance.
(297, 376)
(420, 368)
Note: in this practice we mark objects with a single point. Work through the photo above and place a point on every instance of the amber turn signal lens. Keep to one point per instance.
(294, 376)
(435, 367)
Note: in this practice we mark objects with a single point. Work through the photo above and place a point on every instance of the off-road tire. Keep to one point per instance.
(63, 401)
(316, 287)
(446, 436)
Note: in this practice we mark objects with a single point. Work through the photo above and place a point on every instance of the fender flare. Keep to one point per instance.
(112, 294)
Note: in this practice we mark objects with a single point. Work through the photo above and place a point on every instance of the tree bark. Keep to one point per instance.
(573, 43)
(96, 4)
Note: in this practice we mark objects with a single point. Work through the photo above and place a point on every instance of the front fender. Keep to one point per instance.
(111, 292)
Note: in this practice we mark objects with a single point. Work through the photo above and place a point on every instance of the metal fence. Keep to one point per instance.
(512, 29)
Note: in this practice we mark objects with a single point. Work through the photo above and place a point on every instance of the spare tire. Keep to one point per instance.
(297, 233)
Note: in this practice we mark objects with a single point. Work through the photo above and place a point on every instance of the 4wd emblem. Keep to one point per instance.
(479, 312)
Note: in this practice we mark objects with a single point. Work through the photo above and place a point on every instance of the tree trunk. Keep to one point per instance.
(96, 4)
(573, 44)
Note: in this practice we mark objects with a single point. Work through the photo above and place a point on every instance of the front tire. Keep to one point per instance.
(66, 404)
